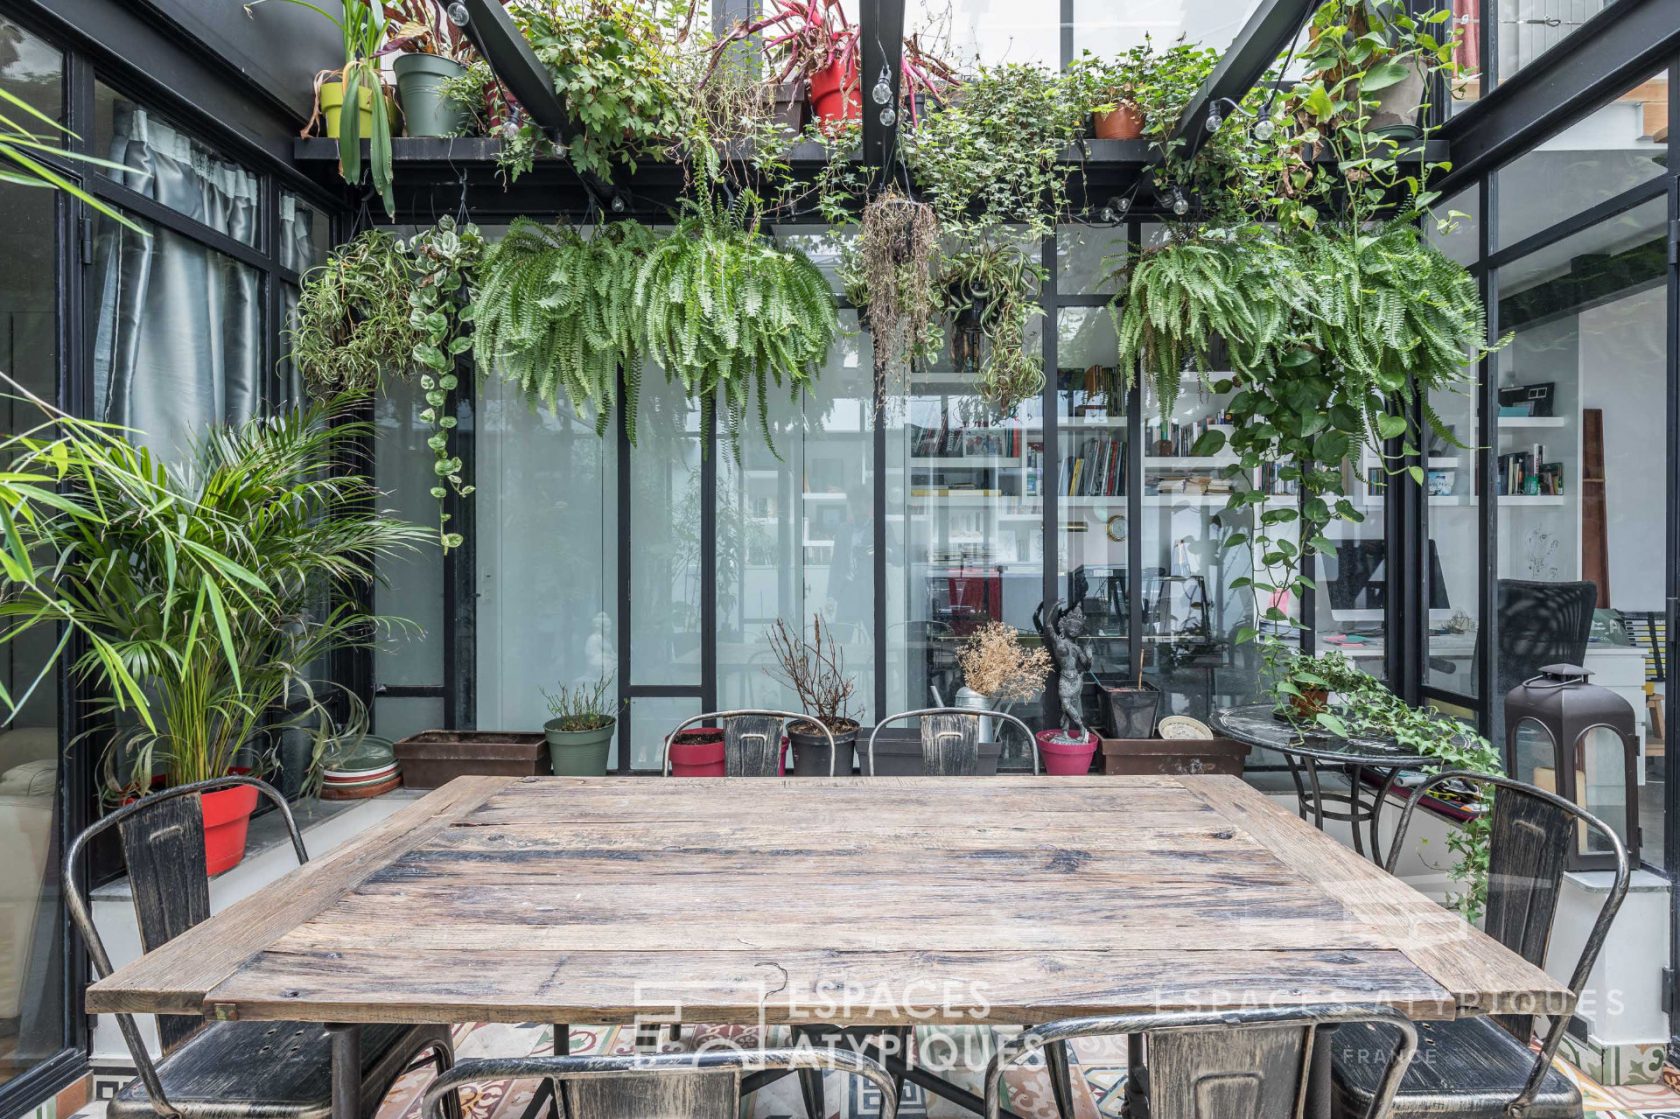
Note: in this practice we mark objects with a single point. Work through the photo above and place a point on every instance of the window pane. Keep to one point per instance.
(1609, 152)
(412, 584)
(33, 69)
(664, 511)
(547, 555)
(1088, 259)
(31, 963)
(1092, 477)
(177, 334)
(304, 234)
(965, 529)
(1452, 578)
(1462, 215)
(1582, 454)
(992, 31)
(1108, 28)
(1529, 28)
(170, 166)
(796, 534)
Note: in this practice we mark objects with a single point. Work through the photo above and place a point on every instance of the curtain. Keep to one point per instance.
(178, 338)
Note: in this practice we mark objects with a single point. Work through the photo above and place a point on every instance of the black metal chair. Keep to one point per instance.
(227, 1070)
(752, 739)
(1475, 1067)
(706, 1085)
(1539, 624)
(1239, 1064)
(951, 738)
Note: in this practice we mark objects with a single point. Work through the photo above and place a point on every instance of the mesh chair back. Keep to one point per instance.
(1541, 624)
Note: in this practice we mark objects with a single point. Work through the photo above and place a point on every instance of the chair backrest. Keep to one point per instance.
(162, 839)
(752, 739)
(1238, 1064)
(1539, 624)
(1532, 833)
(705, 1085)
(951, 738)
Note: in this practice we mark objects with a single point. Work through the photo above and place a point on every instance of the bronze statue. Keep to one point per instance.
(1062, 631)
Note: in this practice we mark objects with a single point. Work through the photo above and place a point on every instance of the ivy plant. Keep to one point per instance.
(1362, 706)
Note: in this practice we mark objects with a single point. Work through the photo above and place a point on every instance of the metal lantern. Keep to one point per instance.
(1580, 741)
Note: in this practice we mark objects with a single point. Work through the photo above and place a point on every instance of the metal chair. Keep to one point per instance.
(951, 739)
(707, 1085)
(1238, 1064)
(227, 1070)
(752, 739)
(1539, 624)
(1475, 1067)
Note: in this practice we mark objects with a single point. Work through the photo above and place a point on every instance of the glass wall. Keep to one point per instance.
(32, 1021)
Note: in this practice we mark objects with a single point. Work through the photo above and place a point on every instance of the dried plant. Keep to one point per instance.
(995, 664)
(816, 670)
(892, 273)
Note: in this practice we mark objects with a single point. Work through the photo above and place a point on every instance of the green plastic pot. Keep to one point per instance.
(579, 753)
(426, 111)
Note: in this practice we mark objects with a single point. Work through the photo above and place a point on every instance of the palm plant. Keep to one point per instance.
(25, 134)
(203, 593)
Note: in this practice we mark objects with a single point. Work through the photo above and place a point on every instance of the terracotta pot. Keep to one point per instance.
(1310, 702)
(227, 820)
(836, 94)
(1065, 759)
(698, 752)
(1123, 122)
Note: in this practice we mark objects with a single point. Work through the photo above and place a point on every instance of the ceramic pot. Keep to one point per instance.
(810, 751)
(426, 111)
(227, 821)
(1123, 122)
(579, 753)
(836, 94)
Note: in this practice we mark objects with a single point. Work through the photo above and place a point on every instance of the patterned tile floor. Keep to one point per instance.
(1098, 1089)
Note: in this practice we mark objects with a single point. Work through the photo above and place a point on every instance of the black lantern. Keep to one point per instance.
(1581, 742)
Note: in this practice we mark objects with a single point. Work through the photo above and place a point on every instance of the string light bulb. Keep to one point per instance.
(617, 203)
(1214, 120)
(1264, 129)
(882, 93)
(1180, 204)
(888, 117)
(457, 13)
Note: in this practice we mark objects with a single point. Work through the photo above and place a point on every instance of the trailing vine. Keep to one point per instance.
(990, 297)
(351, 325)
(444, 260)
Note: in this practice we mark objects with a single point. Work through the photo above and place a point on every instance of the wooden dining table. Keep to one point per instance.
(846, 901)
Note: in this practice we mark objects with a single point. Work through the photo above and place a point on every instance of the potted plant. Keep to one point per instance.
(809, 39)
(196, 589)
(998, 668)
(1108, 91)
(1132, 708)
(436, 53)
(580, 733)
(698, 752)
(353, 103)
(816, 671)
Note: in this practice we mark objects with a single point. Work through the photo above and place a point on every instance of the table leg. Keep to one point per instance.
(1301, 805)
(1376, 815)
(1136, 1105)
(1356, 786)
(346, 1071)
(1317, 794)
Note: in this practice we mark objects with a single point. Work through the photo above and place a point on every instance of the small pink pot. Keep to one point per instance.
(1065, 759)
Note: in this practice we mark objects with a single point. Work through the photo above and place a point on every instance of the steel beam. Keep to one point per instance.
(1266, 35)
(1614, 50)
(880, 51)
(499, 40)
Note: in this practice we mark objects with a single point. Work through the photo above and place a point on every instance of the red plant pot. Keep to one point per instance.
(698, 752)
(227, 819)
(836, 94)
(1065, 759)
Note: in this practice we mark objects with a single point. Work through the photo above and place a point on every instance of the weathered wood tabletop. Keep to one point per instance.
(880, 900)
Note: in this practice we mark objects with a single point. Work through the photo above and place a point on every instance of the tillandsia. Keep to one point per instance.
(729, 313)
(891, 271)
(990, 292)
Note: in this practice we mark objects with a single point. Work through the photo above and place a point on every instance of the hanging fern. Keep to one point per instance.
(555, 315)
(726, 310)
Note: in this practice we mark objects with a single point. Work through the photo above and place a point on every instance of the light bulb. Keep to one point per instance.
(1180, 204)
(457, 13)
(1214, 120)
(888, 117)
(1264, 129)
(1107, 214)
(882, 93)
(617, 203)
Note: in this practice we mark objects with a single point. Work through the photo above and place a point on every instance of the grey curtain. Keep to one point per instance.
(179, 329)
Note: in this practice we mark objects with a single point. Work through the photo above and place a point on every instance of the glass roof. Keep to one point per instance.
(994, 31)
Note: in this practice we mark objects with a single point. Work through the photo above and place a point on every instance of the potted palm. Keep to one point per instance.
(199, 592)
(580, 732)
(816, 671)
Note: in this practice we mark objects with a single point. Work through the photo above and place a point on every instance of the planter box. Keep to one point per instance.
(898, 753)
(436, 757)
(1178, 757)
